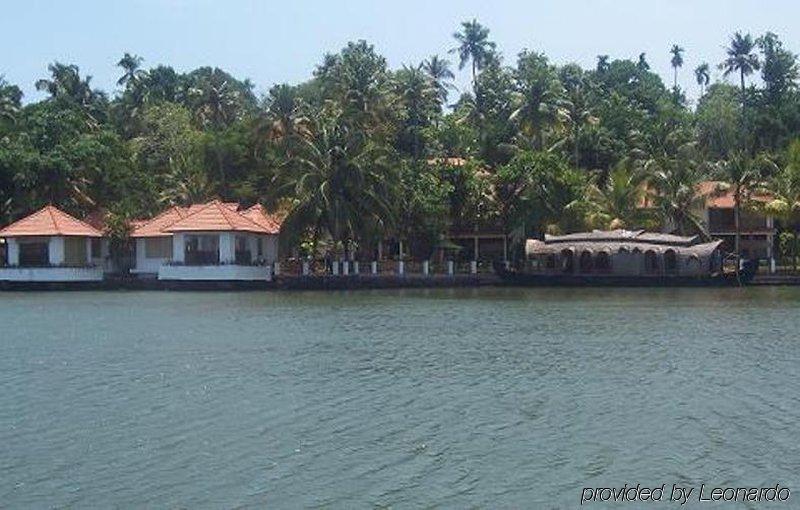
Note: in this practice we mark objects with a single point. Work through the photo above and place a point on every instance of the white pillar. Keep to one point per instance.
(426, 270)
(252, 246)
(89, 250)
(505, 249)
(345, 268)
(55, 250)
(227, 248)
(335, 268)
(13, 251)
(473, 266)
(178, 247)
(450, 268)
(306, 269)
(374, 267)
(401, 268)
(355, 267)
(276, 268)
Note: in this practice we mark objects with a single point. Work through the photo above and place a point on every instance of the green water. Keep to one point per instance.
(455, 398)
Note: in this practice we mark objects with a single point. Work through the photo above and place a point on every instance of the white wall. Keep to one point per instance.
(55, 248)
(215, 273)
(51, 274)
(145, 265)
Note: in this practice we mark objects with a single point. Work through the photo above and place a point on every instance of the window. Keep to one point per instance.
(602, 262)
(33, 254)
(670, 262)
(260, 247)
(650, 262)
(96, 249)
(201, 250)
(158, 247)
(75, 251)
(242, 251)
(567, 262)
(550, 261)
(586, 261)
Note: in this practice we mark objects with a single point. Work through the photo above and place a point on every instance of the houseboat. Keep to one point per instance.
(625, 257)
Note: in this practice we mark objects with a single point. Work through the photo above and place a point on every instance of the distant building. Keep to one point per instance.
(52, 246)
(757, 230)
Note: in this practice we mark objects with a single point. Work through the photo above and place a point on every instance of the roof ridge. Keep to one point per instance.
(237, 213)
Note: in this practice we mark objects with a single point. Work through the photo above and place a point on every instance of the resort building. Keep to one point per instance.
(757, 230)
(52, 246)
(213, 241)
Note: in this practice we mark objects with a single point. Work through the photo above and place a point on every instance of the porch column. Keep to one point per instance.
(252, 245)
(476, 248)
(55, 250)
(178, 247)
(771, 252)
(227, 248)
(505, 248)
(13, 251)
(88, 250)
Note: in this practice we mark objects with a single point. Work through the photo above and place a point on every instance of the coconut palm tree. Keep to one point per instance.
(642, 64)
(616, 202)
(10, 98)
(745, 175)
(741, 59)
(439, 71)
(703, 77)
(132, 72)
(474, 46)
(603, 64)
(784, 190)
(676, 62)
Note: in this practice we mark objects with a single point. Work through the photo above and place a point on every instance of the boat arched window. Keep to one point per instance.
(586, 261)
(602, 262)
(670, 261)
(567, 262)
(623, 249)
(650, 262)
(550, 261)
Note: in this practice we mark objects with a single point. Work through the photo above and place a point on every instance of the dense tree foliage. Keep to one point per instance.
(361, 152)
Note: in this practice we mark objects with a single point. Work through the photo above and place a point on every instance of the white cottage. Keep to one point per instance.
(213, 241)
(52, 246)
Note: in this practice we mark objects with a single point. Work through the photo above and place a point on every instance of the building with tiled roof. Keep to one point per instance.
(213, 241)
(51, 245)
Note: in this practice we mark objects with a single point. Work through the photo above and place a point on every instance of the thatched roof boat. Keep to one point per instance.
(624, 257)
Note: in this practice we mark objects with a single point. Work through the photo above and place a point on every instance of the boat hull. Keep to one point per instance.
(514, 277)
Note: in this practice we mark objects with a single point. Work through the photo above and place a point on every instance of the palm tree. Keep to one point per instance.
(575, 111)
(676, 62)
(603, 64)
(784, 188)
(10, 98)
(742, 59)
(642, 64)
(745, 174)
(701, 74)
(616, 203)
(340, 183)
(130, 65)
(473, 46)
(419, 98)
(439, 71)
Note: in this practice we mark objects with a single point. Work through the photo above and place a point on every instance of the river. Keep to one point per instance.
(453, 398)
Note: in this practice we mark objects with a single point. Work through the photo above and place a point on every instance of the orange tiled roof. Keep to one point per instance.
(155, 226)
(259, 215)
(719, 195)
(216, 216)
(49, 221)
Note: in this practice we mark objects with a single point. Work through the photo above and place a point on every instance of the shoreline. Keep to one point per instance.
(328, 282)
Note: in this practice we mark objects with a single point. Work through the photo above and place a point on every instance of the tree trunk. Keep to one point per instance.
(577, 155)
(736, 222)
(794, 253)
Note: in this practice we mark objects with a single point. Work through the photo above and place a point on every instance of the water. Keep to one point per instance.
(512, 398)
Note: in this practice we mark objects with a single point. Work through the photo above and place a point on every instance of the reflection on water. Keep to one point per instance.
(456, 398)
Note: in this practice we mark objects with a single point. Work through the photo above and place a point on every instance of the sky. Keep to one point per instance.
(274, 42)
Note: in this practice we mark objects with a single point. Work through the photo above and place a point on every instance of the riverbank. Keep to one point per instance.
(326, 282)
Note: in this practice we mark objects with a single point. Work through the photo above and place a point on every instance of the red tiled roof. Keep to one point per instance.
(155, 226)
(216, 216)
(719, 195)
(259, 215)
(49, 221)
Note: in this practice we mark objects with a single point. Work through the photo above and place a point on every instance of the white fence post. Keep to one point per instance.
(401, 268)
(426, 269)
(345, 268)
(450, 267)
(355, 267)
(374, 267)
(335, 268)
(306, 268)
(473, 266)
